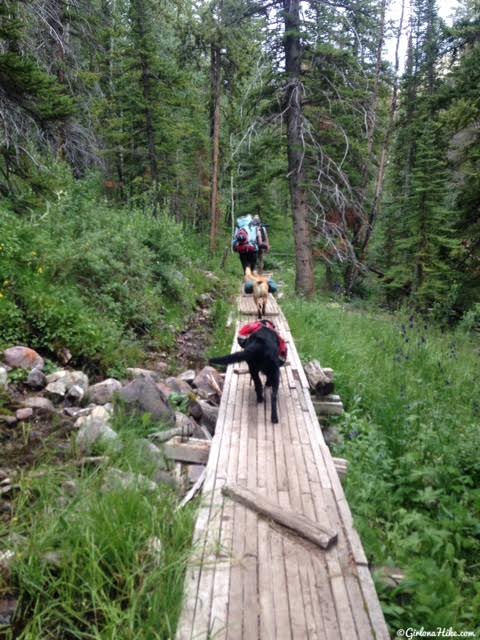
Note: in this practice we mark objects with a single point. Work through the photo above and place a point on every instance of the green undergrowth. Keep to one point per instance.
(94, 563)
(412, 435)
(102, 280)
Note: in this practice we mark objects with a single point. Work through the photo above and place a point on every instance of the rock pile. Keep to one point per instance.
(65, 397)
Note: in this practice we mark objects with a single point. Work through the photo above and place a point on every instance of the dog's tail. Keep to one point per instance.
(238, 356)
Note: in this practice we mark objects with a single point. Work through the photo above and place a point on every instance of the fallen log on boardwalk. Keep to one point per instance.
(299, 524)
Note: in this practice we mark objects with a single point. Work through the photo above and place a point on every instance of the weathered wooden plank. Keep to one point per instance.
(265, 583)
(235, 596)
(193, 450)
(221, 581)
(358, 605)
(247, 306)
(295, 593)
(205, 588)
(316, 533)
(221, 587)
(279, 431)
(194, 572)
(279, 584)
(238, 470)
(320, 588)
(373, 605)
(250, 558)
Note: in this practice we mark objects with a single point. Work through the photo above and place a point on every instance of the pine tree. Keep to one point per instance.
(33, 106)
(418, 227)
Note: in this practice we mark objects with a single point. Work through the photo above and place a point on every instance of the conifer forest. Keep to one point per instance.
(133, 134)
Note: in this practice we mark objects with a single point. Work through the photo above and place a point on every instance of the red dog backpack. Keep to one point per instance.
(247, 330)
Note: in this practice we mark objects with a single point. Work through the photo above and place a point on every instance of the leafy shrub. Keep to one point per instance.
(93, 278)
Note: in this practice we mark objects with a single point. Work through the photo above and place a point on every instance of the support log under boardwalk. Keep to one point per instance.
(249, 578)
(319, 379)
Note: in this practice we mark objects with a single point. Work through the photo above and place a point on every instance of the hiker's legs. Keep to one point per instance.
(244, 259)
(248, 259)
(260, 261)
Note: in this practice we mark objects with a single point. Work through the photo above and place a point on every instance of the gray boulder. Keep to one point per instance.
(36, 379)
(56, 390)
(75, 394)
(187, 376)
(76, 412)
(94, 428)
(22, 358)
(40, 405)
(138, 372)
(69, 379)
(178, 386)
(116, 479)
(143, 395)
(24, 414)
(103, 392)
(205, 413)
(153, 453)
(208, 383)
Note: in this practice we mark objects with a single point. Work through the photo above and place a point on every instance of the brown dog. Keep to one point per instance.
(260, 290)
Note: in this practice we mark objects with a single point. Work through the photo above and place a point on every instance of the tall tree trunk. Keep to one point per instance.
(146, 75)
(361, 239)
(61, 27)
(304, 281)
(216, 79)
(385, 145)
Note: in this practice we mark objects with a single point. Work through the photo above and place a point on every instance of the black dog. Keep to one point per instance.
(261, 355)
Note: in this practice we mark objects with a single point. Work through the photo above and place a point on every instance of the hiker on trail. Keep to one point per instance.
(250, 239)
(262, 241)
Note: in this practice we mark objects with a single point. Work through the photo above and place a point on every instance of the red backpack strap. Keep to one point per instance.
(250, 328)
(282, 345)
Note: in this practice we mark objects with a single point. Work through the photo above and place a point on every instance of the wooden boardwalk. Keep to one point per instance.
(249, 578)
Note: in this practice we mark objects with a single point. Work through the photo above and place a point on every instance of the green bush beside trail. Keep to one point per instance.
(94, 278)
(412, 435)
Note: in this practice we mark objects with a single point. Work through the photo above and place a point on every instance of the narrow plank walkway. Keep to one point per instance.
(249, 578)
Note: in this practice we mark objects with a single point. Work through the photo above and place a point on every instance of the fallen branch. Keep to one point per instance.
(299, 524)
(193, 491)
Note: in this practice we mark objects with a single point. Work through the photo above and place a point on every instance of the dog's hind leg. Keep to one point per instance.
(257, 383)
(275, 383)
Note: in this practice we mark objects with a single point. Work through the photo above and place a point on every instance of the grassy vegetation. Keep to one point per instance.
(93, 563)
(412, 435)
(104, 281)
